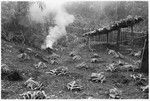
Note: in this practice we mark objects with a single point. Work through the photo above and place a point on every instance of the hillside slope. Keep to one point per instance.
(54, 86)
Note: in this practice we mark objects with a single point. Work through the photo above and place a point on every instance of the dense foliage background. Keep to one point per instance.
(88, 15)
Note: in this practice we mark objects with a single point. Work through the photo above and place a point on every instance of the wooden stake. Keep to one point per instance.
(143, 49)
(132, 34)
(99, 38)
(107, 38)
(118, 38)
(89, 43)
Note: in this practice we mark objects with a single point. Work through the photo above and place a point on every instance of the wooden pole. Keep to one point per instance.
(99, 38)
(118, 39)
(89, 44)
(94, 38)
(144, 65)
(132, 36)
(107, 38)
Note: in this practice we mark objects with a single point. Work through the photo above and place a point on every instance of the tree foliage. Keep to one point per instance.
(88, 15)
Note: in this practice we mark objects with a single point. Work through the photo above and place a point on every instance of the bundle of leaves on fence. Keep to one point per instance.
(123, 23)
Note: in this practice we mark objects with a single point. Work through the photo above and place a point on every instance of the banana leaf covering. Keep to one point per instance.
(123, 23)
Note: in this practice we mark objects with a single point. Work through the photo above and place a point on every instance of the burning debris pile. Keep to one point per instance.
(49, 50)
(28, 54)
(60, 18)
(53, 56)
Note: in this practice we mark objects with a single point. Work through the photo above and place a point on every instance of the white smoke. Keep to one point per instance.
(61, 20)
(36, 13)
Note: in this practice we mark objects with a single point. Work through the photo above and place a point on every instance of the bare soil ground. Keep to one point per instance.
(55, 85)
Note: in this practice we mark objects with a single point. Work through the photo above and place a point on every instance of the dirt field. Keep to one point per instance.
(55, 86)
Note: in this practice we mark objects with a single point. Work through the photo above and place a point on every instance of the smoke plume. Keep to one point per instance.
(61, 20)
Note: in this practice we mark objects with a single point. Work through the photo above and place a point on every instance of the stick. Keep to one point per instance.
(143, 52)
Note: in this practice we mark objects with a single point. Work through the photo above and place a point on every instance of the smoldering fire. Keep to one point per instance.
(61, 20)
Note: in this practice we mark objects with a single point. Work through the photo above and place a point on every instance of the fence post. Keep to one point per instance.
(132, 36)
(118, 38)
(99, 38)
(89, 43)
(87, 40)
(94, 38)
(144, 65)
(107, 37)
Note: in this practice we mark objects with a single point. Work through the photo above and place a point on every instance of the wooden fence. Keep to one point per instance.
(112, 37)
(125, 39)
